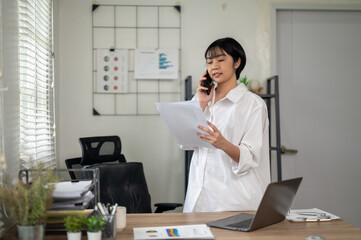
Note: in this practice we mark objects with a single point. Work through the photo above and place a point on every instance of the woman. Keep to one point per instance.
(234, 175)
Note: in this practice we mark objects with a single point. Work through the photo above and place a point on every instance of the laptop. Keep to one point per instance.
(273, 208)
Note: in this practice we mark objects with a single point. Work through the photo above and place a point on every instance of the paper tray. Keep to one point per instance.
(55, 219)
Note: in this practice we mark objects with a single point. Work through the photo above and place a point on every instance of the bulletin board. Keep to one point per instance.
(118, 32)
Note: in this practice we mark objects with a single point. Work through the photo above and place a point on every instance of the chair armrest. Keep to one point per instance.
(162, 207)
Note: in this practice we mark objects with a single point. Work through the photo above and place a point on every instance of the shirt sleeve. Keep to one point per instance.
(250, 147)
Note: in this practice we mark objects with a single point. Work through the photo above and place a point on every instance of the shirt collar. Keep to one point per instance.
(236, 93)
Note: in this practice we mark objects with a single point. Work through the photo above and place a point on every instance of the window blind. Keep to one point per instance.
(37, 124)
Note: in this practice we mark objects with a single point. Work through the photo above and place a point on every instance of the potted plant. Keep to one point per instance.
(94, 225)
(74, 225)
(29, 202)
(253, 85)
(244, 80)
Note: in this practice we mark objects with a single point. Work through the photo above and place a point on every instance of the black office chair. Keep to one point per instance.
(124, 182)
(101, 149)
(96, 150)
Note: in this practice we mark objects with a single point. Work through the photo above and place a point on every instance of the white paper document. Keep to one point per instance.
(183, 119)
(200, 231)
(68, 189)
(72, 203)
(310, 215)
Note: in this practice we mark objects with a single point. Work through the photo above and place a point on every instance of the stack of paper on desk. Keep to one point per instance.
(72, 195)
(69, 189)
(310, 215)
(200, 231)
(74, 203)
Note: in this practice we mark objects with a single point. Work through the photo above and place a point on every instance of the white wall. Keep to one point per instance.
(10, 99)
(10, 80)
(145, 138)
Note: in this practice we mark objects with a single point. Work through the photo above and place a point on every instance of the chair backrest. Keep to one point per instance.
(125, 184)
(73, 163)
(101, 149)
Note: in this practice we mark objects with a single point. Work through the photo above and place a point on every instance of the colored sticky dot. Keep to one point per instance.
(115, 78)
(115, 87)
(115, 59)
(106, 77)
(106, 58)
(116, 68)
(106, 68)
(106, 87)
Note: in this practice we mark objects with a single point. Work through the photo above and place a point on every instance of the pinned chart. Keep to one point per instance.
(156, 64)
(112, 74)
(164, 62)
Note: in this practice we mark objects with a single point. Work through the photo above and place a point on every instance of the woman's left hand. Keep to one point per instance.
(214, 137)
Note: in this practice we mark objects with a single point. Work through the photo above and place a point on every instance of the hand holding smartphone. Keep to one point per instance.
(207, 83)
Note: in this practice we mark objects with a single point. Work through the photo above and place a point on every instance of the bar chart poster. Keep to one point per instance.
(112, 71)
(156, 64)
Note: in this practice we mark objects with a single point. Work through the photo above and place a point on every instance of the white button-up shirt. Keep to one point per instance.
(216, 182)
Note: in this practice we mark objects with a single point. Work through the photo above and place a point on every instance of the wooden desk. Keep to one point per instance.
(285, 230)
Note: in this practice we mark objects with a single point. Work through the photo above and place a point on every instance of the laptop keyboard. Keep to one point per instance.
(244, 224)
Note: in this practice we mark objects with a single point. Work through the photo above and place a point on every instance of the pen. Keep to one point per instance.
(102, 210)
(108, 208)
(105, 208)
(319, 215)
(113, 212)
(314, 219)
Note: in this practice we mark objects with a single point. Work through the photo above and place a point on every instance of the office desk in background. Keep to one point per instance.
(284, 230)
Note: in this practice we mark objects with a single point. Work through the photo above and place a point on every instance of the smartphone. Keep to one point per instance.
(207, 83)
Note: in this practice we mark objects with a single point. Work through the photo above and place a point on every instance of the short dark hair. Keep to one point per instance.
(231, 47)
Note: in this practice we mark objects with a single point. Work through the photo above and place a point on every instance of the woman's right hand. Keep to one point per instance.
(203, 98)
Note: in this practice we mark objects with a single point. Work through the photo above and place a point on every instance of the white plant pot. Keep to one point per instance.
(31, 232)
(94, 235)
(74, 235)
